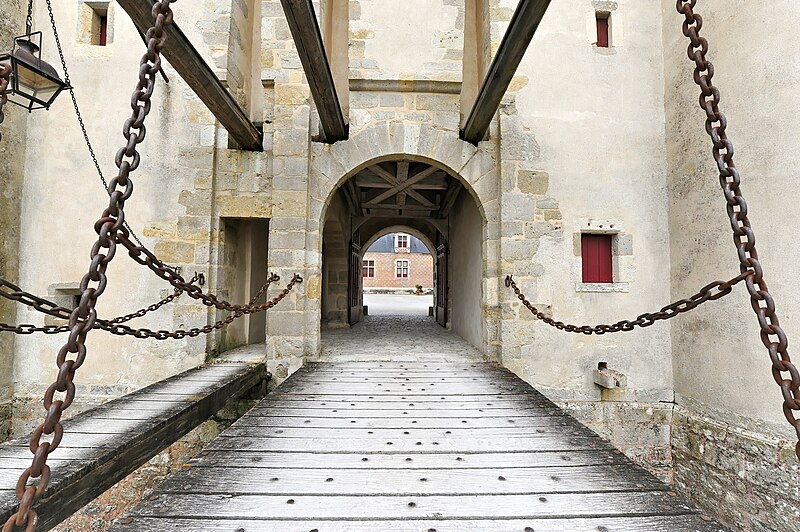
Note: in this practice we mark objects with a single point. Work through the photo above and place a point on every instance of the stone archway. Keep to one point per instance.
(473, 169)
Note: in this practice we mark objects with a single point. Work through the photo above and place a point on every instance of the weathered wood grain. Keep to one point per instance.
(308, 40)
(447, 461)
(97, 452)
(493, 480)
(356, 455)
(678, 523)
(521, 28)
(413, 506)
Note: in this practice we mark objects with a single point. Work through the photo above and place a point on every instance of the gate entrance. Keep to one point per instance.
(410, 199)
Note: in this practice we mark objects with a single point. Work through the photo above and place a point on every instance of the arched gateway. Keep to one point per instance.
(439, 189)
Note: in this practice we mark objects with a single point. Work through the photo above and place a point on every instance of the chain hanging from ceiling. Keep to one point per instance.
(83, 318)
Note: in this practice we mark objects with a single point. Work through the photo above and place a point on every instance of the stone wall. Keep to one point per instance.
(12, 160)
(735, 470)
(432, 45)
(730, 433)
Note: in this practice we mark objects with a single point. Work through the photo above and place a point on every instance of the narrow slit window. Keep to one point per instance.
(602, 30)
(596, 258)
(96, 23)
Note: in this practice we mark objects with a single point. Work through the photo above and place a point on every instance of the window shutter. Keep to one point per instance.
(596, 257)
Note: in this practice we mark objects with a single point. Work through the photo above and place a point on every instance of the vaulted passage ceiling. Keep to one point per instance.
(402, 189)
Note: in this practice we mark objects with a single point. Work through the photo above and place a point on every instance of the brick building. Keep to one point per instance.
(397, 261)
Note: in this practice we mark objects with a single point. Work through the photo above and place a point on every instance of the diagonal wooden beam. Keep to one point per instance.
(520, 31)
(308, 40)
(401, 184)
(402, 178)
(189, 64)
(356, 197)
(450, 198)
(378, 170)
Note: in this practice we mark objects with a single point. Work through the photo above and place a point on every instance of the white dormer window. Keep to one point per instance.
(401, 242)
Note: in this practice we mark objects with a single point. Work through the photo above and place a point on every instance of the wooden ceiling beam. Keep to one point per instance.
(520, 31)
(389, 206)
(450, 198)
(308, 40)
(189, 64)
(402, 178)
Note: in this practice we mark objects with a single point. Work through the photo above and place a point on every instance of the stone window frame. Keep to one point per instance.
(368, 267)
(66, 295)
(604, 9)
(621, 255)
(88, 31)
(398, 270)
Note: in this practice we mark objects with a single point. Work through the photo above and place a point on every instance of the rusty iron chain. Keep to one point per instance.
(147, 258)
(34, 480)
(115, 326)
(80, 118)
(784, 372)
(155, 306)
(30, 329)
(710, 292)
(122, 330)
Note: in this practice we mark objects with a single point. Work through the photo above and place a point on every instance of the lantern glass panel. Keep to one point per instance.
(34, 85)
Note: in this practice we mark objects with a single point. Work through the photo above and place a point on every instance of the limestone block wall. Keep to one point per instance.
(388, 123)
(729, 429)
(413, 39)
(171, 197)
(12, 160)
(581, 139)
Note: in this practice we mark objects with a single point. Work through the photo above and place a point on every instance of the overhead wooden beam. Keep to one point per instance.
(450, 198)
(390, 207)
(308, 40)
(190, 65)
(520, 31)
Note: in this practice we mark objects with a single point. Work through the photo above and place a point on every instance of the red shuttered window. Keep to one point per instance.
(602, 30)
(596, 255)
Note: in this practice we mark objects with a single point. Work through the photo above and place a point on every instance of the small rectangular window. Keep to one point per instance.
(602, 30)
(596, 257)
(402, 269)
(401, 242)
(368, 268)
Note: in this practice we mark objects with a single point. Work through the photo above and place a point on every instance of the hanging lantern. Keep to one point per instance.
(34, 83)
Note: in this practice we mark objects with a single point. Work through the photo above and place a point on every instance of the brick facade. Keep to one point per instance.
(420, 270)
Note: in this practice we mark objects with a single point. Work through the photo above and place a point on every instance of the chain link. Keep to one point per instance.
(34, 480)
(80, 118)
(115, 326)
(155, 306)
(146, 257)
(773, 337)
(710, 292)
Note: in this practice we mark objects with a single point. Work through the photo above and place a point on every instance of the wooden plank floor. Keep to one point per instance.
(353, 446)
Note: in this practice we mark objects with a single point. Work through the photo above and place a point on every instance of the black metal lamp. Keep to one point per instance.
(34, 83)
